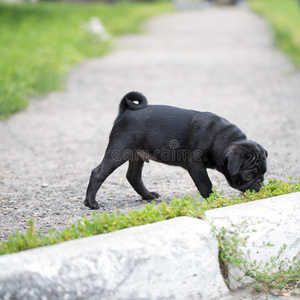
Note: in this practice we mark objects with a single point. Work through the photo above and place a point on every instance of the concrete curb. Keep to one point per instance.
(274, 221)
(174, 259)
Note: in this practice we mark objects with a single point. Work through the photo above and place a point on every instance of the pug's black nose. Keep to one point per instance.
(258, 185)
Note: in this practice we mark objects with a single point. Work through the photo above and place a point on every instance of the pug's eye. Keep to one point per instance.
(249, 176)
(247, 156)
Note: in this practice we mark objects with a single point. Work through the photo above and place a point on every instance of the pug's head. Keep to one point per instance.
(246, 164)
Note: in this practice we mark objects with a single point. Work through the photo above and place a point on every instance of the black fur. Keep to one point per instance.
(187, 138)
(128, 102)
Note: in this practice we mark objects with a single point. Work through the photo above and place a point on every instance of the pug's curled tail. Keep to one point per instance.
(133, 101)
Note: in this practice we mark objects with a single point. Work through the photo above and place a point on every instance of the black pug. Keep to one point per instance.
(187, 138)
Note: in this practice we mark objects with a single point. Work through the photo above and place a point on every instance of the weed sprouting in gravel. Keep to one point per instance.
(192, 206)
(277, 273)
(232, 245)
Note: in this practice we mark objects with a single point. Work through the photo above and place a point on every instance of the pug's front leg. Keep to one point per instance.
(200, 177)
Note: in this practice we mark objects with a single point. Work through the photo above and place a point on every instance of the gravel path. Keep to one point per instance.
(217, 59)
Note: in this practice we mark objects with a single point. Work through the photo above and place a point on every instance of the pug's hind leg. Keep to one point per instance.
(134, 176)
(98, 176)
(201, 179)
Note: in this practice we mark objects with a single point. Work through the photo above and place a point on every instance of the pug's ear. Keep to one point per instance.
(234, 159)
(234, 163)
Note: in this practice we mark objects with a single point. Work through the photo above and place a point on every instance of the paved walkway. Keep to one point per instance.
(217, 59)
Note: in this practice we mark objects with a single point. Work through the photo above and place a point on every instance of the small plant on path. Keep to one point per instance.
(277, 274)
(192, 206)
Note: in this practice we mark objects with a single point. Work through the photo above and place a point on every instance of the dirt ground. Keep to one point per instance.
(216, 59)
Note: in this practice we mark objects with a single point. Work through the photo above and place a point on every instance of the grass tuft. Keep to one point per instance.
(278, 273)
(104, 223)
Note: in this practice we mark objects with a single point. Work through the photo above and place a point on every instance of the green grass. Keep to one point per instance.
(104, 223)
(284, 18)
(277, 273)
(41, 42)
(285, 280)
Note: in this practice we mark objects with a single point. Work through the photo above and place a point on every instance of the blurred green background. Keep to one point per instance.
(41, 41)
